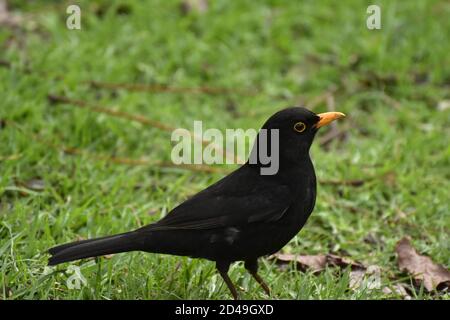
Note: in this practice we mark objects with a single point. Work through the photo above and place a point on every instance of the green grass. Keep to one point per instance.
(289, 52)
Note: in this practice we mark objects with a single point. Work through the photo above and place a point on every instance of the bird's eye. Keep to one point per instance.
(299, 126)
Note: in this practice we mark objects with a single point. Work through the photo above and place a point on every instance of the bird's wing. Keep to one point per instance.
(230, 202)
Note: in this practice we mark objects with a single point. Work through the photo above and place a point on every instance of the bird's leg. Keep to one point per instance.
(223, 270)
(252, 267)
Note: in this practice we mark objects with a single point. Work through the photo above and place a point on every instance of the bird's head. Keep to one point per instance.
(296, 127)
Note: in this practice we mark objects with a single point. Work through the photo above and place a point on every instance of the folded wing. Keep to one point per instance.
(230, 202)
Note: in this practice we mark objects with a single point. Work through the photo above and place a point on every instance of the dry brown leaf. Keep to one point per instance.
(422, 268)
(343, 262)
(304, 262)
(317, 263)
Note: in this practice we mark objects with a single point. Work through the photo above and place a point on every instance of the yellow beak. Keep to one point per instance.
(327, 117)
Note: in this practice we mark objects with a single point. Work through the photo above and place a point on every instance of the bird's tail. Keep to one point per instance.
(95, 247)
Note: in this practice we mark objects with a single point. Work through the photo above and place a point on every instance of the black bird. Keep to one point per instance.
(241, 217)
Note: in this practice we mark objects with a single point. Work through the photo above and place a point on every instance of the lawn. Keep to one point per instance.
(70, 171)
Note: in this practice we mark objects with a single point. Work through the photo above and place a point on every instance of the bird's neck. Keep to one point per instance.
(290, 171)
(293, 173)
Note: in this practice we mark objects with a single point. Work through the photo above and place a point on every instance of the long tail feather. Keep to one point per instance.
(95, 247)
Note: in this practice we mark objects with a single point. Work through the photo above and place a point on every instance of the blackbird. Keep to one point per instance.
(241, 217)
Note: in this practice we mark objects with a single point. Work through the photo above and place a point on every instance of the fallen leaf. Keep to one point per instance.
(422, 268)
(343, 262)
(304, 262)
(317, 263)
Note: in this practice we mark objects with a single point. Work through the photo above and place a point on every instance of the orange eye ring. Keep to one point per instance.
(300, 127)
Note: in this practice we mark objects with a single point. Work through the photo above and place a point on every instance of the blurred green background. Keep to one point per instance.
(384, 171)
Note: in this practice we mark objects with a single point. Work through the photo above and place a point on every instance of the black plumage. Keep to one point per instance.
(241, 217)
